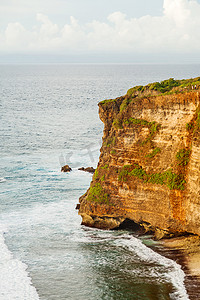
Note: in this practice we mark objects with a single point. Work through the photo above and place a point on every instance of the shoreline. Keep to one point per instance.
(186, 252)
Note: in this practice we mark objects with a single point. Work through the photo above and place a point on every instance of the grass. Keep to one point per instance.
(198, 118)
(197, 127)
(97, 194)
(166, 86)
(133, 121)
(103, 178)
(124, 173)
(168, 178)
(139, 88)
(96, 174)
(125, 103)
(194, 125)
(117, 124)
(113, 152)
(107, 101)
(105, 167)
(183, 157)
(153, 126)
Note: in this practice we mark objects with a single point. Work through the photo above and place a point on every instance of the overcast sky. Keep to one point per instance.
(135, 30)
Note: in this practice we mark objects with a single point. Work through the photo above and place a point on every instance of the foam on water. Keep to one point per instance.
(2, 179)
(174, 272)
(13, 275)
(15, 283)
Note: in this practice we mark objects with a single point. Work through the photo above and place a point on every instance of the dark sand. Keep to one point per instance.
(186, 252)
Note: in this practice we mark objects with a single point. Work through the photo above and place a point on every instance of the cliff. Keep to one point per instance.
(149, 166)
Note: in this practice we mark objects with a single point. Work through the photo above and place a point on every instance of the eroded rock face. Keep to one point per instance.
(149, 167)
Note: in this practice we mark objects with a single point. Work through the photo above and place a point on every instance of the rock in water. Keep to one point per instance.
(66, 168)
(77, 206)
(89, 169)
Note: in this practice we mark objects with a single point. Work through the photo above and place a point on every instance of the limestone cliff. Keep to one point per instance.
(149, 166)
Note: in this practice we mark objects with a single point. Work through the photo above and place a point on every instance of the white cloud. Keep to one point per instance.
(178, 11)
(177, 30)
(15, 38)
(47, 33)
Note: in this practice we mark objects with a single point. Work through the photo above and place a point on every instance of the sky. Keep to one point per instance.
(132, 31)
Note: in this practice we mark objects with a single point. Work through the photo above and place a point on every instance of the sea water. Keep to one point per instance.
(49, 117)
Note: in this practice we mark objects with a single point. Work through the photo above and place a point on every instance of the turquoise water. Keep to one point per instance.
(49, 117)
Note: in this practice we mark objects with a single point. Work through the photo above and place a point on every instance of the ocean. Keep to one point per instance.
(49, 117)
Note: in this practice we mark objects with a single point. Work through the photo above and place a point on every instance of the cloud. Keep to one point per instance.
(177, 30)
(16, 36)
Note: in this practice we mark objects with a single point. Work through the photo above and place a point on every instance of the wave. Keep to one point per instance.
(15, 284)
(162, 268)
(174, 272)
(2, 179)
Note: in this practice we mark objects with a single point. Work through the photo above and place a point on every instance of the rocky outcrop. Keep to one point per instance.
(66, 168)
(88, 169)
(149, 166)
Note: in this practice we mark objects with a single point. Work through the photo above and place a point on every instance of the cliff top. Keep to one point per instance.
(165, 87)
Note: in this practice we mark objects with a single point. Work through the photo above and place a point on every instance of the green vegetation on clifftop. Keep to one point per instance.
(166, 86)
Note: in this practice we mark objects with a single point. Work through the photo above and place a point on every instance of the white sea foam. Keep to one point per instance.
(2, 179)
(14, 281)
(174, 272)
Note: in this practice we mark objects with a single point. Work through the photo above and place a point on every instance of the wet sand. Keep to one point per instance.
(186, 252)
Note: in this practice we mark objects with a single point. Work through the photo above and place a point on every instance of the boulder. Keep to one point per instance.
(66, 168)
(78, 206)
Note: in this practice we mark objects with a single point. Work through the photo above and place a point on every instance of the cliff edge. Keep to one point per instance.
(149, 166)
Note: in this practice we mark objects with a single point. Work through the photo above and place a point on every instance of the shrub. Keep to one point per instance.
(138, 88)
(165, 86)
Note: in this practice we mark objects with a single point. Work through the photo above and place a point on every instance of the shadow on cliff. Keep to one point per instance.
(130, 225)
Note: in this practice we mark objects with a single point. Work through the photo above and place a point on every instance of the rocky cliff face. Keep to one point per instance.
(149, 167)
